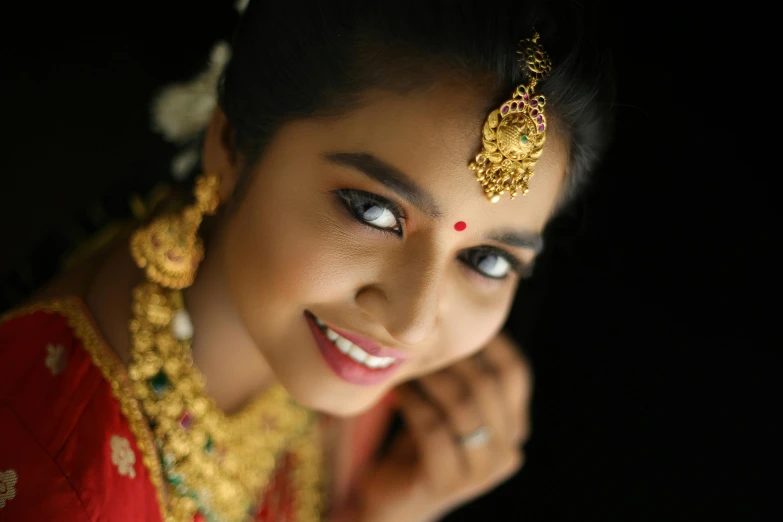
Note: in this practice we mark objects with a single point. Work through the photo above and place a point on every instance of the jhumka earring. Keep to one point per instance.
(169, 249)
(514, 134)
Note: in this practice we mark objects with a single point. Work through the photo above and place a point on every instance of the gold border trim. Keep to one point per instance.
(81, 321)
(306, 476)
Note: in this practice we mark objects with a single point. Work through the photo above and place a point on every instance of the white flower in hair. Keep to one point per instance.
(182, 110)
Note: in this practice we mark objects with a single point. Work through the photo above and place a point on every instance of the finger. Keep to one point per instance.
(455, 399)
(513, 373)
(490, 397)
(510, 465)
(440, 458)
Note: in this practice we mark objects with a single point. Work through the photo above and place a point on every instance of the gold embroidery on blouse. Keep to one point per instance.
(74, 311)
(307, 478)
(122, 456)
(8, 480)
(216, 465)
(56, 358)
(308, 484)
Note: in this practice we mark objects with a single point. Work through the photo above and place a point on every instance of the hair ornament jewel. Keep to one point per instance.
(513, 135)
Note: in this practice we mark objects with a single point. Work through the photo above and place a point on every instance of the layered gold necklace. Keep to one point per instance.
(216, 467)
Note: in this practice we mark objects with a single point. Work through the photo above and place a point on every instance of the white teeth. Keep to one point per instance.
(357, 354)
(344, 345)
(353, 351)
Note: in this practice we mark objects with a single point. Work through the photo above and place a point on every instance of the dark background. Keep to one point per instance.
(649, 319)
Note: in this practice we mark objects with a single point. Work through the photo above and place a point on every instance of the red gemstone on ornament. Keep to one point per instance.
(534, 112)
(199, 517)
(526, 97)
(155, 241)
(460, 226)
(185, 420)
(541, 128)
(504, 110)
(173, 257)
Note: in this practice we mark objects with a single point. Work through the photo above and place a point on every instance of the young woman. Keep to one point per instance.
(379, 175)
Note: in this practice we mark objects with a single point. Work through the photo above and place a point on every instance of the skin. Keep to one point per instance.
(290, 246)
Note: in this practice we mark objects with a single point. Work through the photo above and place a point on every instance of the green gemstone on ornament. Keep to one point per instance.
(168, 459)
(175, 479)
(524, 139)
(159, 382)
(209, 445)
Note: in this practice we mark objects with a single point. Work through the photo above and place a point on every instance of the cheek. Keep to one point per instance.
(285, 253)
(468, 324)
(271, 257)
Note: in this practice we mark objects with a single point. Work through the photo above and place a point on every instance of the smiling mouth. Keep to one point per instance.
(352, 350)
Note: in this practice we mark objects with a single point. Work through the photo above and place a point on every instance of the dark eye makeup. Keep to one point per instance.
(379, 213)
(372, 210)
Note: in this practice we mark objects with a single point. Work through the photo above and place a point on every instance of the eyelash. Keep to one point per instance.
(349, 197)
(515, 265)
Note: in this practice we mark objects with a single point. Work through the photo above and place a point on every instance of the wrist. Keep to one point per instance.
(362, 512)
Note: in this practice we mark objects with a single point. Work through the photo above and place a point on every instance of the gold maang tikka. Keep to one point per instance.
(513, 135)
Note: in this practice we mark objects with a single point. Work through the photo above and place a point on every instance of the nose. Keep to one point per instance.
(407, 300)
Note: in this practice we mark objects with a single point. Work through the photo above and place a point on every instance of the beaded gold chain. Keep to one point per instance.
(216, 466)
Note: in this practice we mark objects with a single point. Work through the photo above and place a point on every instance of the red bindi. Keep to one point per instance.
(460, 226)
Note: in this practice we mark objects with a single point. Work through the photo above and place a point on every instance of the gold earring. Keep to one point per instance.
(169, 249)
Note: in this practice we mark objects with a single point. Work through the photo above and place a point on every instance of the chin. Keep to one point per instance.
(343, 410)
(315, 385)
(334, 399)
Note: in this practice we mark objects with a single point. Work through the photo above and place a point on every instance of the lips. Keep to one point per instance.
(344, 366)
(370, 346)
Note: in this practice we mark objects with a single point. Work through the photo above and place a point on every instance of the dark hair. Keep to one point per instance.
(291, 63)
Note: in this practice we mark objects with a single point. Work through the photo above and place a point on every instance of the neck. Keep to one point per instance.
(233, 367)
(223, 351)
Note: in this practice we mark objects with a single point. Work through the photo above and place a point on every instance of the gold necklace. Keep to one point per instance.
(216, 466)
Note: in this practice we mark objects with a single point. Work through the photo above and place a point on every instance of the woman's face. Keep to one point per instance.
(352, 221)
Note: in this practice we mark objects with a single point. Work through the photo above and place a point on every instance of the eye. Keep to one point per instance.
(491, 262)
(372, 210)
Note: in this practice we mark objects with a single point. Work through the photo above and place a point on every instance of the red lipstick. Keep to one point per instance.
(370, 346)
(343, 365)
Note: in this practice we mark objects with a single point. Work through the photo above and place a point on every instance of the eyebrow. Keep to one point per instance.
(388, 176)
(396, 181)
(522, 239)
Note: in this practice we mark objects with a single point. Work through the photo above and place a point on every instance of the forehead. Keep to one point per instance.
(431, 137)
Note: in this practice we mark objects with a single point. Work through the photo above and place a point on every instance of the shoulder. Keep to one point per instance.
(73, 439)
(46, 375)
(82, 266)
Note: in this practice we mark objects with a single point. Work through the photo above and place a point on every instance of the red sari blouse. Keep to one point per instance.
(74, 444)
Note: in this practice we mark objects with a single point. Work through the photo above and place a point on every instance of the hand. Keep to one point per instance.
(427, 472)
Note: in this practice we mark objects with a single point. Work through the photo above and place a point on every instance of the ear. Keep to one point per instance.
(220, 155)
